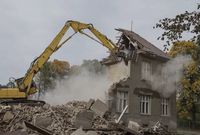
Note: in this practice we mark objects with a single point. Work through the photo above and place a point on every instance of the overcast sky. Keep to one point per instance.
(28, 26)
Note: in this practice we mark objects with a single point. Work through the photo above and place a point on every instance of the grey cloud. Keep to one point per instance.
(27, 27)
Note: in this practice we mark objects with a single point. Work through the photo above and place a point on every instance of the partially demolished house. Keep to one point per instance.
(145, 105)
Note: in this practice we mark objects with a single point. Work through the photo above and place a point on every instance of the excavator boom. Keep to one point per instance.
(25, 85)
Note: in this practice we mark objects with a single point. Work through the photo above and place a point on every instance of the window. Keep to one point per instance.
(122, 100)
(145, 104)
(146, 70)
(165, 107)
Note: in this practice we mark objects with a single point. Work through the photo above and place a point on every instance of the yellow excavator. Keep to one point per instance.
(19, 89)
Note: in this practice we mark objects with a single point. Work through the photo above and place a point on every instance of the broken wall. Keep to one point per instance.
(136, 86)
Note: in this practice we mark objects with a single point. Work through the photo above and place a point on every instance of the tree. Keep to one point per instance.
(93, 66)
(187, 24)
(60, 68)
(190, 83)
(45, 78)
(49, 73)
(176, 29)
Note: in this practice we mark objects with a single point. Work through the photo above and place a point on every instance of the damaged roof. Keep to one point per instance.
(146, 45)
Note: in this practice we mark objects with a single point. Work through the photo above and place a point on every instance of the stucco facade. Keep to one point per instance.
(146, 106)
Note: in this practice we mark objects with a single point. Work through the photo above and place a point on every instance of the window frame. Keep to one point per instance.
(122, 100)
(146, 70)
(165, 106)
(145, 101)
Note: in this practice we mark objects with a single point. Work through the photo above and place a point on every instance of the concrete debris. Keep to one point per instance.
(99, 107)
(43, 121)
(159, 129)
(84, 119)
(128, 130)
(134, 126)
(8, 116)
(92, 133)
(4, 107)
(79, 132)
(16, 133)
(40, 130)
(46, 106)
(56, 120)
(76, 118)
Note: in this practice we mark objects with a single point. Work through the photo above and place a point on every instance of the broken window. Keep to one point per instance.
(146, 70)
(165, 107)
(122, 100)
(145, 104)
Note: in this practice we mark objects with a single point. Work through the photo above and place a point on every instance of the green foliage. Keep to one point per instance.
(49, 73)
(176, 28)
(57, 70)
(184, 48)
(190, 83)
(45, 77)
(183, 24)
(93, 66)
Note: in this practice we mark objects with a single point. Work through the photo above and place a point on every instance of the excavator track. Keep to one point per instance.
(23, 102)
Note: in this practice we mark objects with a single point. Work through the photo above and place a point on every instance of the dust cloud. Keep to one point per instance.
(166, 80)
(86, 84)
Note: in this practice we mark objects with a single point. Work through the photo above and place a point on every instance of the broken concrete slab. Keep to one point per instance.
(16, 133)
(134, 126)
(20, 125)
(40, 130)
(91, 133)
(3, 107)
(63, 116)
(79, 132)
(126, 129)
(84, 119)
(8, 116)
(46, 106)
(99, 107)
(43, 121)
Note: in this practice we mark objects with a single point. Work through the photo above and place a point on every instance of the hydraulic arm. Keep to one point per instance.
(26, 86)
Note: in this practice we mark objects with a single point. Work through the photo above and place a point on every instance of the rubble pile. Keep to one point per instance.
(62, 119)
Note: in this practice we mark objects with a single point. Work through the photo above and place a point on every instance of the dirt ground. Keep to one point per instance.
(188, 132)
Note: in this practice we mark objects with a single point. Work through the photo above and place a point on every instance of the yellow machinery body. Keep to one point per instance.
(10, 93)
(14, 93)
